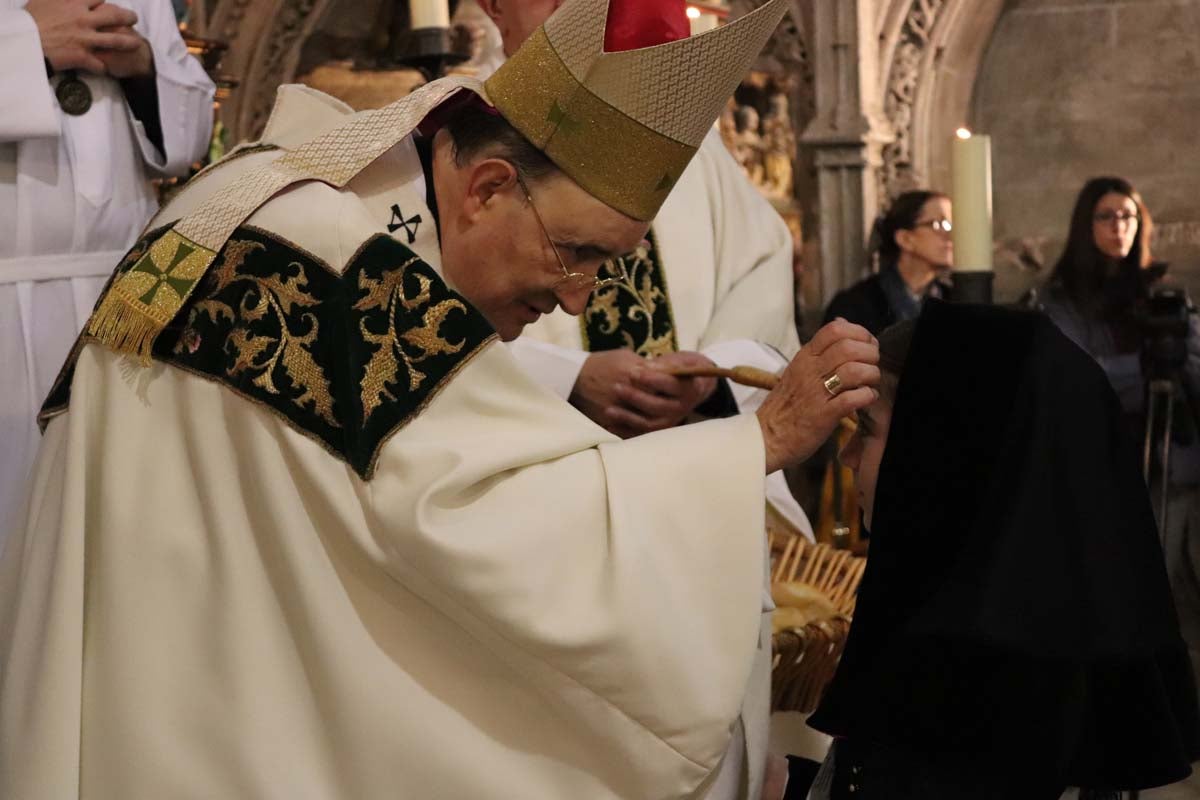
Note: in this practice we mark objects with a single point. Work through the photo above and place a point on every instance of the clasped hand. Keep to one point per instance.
(630, 395)
(91, 35)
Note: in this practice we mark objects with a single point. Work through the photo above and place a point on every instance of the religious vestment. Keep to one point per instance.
(74, 193)
(336, 543)
(714, 277)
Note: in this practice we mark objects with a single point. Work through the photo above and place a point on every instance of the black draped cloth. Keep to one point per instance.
(1014, 621)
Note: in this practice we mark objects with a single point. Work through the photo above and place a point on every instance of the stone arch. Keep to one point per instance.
(932, 50)
(266, 38)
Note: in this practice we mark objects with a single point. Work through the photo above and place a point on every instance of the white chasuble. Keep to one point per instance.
(334, 543)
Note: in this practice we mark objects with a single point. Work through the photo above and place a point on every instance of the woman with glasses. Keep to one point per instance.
(914, 247)
(1098, 296)
(1103, 274)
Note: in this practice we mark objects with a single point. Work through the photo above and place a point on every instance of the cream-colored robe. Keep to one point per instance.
(205, 602)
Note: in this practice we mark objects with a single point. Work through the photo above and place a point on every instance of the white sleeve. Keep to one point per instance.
(753, 250)
(26, 99)
(743, 352)
(746, 353)
(185, 93)
(554, 367)
(631, 568)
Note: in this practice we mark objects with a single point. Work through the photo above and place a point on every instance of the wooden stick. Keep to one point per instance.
(746, 376)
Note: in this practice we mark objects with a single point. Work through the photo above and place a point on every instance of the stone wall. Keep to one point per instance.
(1075, 88)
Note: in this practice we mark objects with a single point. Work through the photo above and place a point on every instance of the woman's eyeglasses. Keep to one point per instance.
(939, 225)
(574, 281)
(1120, 217)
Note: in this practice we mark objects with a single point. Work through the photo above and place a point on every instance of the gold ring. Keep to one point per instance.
(832, 384)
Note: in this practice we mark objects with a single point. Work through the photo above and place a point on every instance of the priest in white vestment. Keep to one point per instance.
(711, 285)
(301, 526)
(74, 179)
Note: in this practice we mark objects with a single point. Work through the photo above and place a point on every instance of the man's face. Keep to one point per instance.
(502, 260)
(517, 19)
(863, 453)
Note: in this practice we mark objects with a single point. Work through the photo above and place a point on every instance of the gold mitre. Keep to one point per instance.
(624, 124)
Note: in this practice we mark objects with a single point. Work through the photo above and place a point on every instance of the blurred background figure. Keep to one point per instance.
(98, 98)
(914, 247)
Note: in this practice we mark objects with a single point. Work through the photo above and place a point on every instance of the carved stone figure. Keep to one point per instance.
(749, 150)
(779, 143)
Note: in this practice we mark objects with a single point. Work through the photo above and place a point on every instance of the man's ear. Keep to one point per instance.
(487, 181)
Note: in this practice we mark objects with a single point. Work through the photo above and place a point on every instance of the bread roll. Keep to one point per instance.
(798, 604)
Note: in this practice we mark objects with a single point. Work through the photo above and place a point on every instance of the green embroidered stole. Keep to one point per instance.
(634, 313)
(346, 359)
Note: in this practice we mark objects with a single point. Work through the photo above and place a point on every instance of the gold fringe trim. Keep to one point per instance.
(122, 326)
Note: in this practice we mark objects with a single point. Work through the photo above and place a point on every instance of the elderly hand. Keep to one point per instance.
(72, 31)
(630, 396)
(800, 413)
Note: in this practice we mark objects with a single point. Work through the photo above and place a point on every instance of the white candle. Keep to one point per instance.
(701, 22)
(429, 14)
(972, 199)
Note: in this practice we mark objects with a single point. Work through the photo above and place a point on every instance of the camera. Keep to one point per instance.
(1163, 321)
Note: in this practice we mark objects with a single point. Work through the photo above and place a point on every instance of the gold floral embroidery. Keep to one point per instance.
(256, 345)
(634, 313)
(388, 293)
(282, 329)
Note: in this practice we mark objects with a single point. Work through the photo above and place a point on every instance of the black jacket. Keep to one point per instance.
(864, 303)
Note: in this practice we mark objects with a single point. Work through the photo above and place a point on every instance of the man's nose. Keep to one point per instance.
(573, 301)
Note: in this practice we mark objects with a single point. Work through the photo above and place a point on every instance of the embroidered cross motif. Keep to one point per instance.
(398, 221)
(565, 122)
(147, 265)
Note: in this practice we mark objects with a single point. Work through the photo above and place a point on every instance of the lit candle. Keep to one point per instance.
(972, 198)
(429, 14)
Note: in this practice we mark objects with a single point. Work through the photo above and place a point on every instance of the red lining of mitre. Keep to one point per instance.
(633, 24)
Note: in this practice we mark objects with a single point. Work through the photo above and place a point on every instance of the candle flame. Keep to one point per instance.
(693, 12)
(963, 133)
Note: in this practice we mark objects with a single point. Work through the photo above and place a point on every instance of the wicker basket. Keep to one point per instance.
(806, 658)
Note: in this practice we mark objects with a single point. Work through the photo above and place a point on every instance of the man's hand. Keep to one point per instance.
(72, 31)
(630, 396)
(799, 414)
(135, 63)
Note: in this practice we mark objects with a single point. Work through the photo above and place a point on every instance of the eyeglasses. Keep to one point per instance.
(939, 225)
(1119, 217)
(574, 281)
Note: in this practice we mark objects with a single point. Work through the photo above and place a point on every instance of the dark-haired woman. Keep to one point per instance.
(1095, 295)
(1014, 632)
(1104, 275)
(915, 249)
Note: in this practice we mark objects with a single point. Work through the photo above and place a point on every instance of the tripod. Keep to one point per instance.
(1160, 392)
(1162, 389)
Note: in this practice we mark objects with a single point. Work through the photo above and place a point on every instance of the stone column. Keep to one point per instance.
(847, 135)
